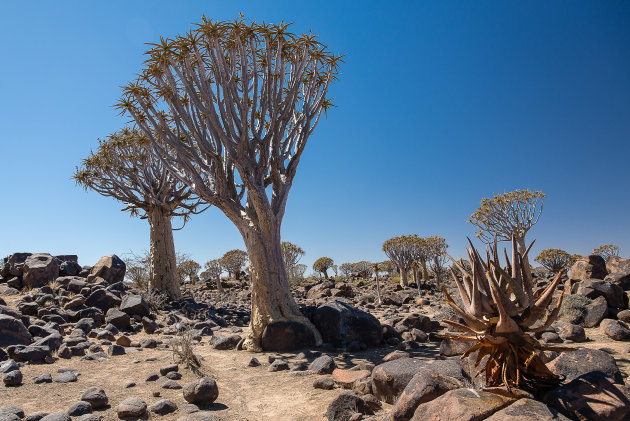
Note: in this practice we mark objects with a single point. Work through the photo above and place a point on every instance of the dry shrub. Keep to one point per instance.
(573, 308)
(183, 352)
(155, 299)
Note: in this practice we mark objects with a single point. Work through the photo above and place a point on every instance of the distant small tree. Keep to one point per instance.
(508, 215)
(387, 266)
(437, 254)
(376, 267)
(126, 168)
(322, 265)
(346, 269)
(188, 271)
(606, 251)
(335, 269)
(554, 260)
(402, 251)
(291, 255)
(213, 270)
(300, 269)
(233, 262)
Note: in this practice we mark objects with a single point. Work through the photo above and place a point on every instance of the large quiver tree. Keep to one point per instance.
(236, 103)
(508, 215)
(126, 168)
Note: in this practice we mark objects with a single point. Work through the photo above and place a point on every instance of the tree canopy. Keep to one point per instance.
(507, 214)
(554, 260)
(606, 251)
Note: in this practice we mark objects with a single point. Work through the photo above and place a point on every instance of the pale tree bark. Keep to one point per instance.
(404, 277)
(425, 272)
(163, 270)
(522, 247)
(219, 286)
(378, 288)
(271, 296)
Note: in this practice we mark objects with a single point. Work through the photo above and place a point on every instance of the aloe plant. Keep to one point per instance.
(501, 310)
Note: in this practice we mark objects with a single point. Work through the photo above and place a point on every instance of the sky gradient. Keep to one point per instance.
(438, 105)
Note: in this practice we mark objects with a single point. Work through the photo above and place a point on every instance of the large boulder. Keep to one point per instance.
(424, 386)
(573, 364)
(13, 332)
(102, 299)
(615, 329)
(592, 266)
(527, 410)
(593, 288)
(594, 312)
(14, 264)
(30, 354)
(593, 397)
(616, 264)
(345, 406)
(118, 318)
(135, 305)
(111, 268)
(342, 324)
(39, 269)
(418, 321)
(390, 379)
(287, 336)
(462, 405)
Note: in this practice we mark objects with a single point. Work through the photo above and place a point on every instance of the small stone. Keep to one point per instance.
(202, 392)
(168, 368)
(129, 385)
(278, 365)
(35, 416)
(346, 378)
(171, 384)
(66, 377)
(254, 362)
(326, 383)
(123, 341)
(131, 407)
(323, 365)
(115, 350)
(79, 408)
(156, 394)
(96, 397)
(173, 375)
(13, 378)
(8, 365)
(152, 377)
(44, 378)
(11, 410)
(164, 406)
(56, 416)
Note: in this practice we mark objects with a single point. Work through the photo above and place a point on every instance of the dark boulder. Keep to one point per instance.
(111, 268)
(615, 329)
(592, 396)
(102, 299)
(15, 264)
(341, 324)
(201, 392)
(287, 336)
(31, 354)
(118, 318)
(592, 266)
(344, 406)
(573, 364)
(134, 305)
(39, 269)
(13, 332)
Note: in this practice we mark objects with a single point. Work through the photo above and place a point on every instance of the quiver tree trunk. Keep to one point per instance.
(522, 248)
(219, 286)
(425, 272)
(403, 277)
(271, 296)
(163, 266)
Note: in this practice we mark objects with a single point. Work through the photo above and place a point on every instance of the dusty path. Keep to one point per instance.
(245, 393)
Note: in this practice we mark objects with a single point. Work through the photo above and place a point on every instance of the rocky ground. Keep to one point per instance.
(78, 343)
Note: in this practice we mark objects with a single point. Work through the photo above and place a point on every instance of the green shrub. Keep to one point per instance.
(573, 308)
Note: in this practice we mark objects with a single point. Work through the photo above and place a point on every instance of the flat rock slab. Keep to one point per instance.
(527, 410)
(346, 378)
(66, 377)
(131, 407)
(462, 405)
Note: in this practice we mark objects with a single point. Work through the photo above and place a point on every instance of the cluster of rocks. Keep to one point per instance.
(607, 285)
(199, 394)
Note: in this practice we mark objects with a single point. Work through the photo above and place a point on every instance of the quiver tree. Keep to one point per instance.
(236, 103)
(402, 251)
(437, 254)
(233, 262)
(508, 215)
(322, 265)
(501, 312)
(606, 251)
(212, 271)
(188, 271)
(291, 255)
(126, 168)
(376, 267)
(554, 260)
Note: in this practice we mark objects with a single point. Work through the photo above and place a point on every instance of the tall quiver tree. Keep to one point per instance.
(400, 250)
(508, 215)
(236, 103)
(126, 168)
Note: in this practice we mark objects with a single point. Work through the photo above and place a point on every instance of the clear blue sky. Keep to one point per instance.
(440, 103)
